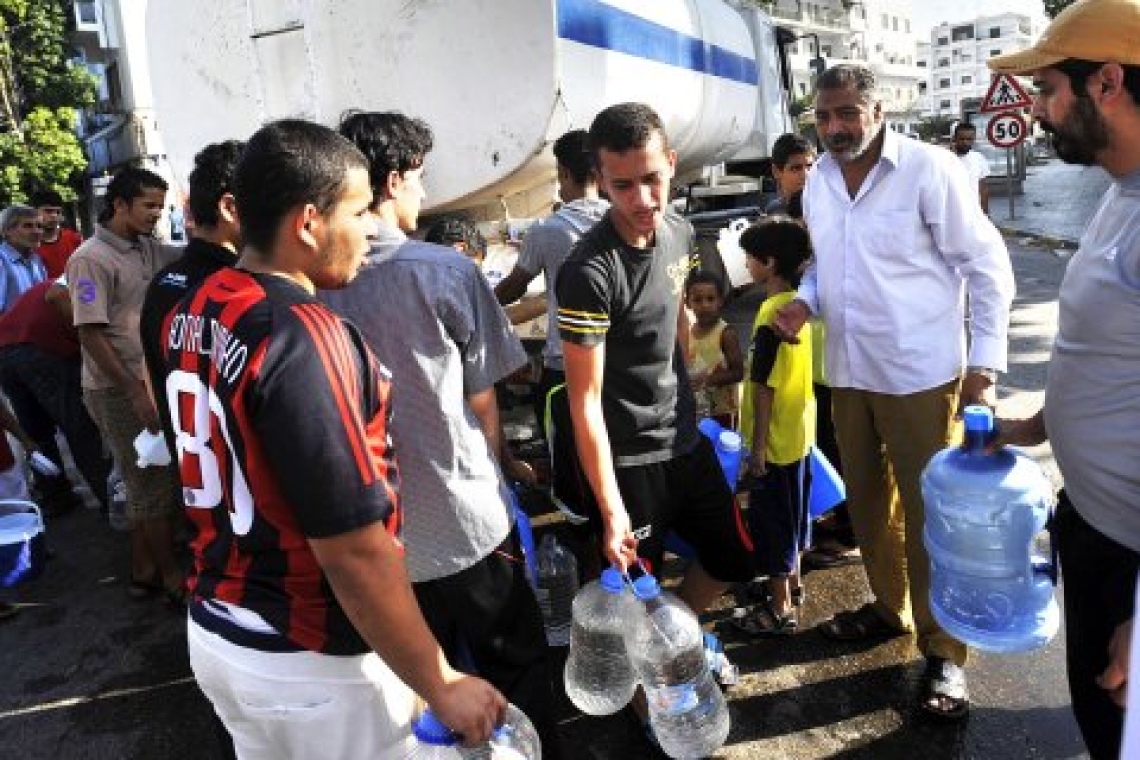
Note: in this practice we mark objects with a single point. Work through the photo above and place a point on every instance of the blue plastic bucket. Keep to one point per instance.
(827, 489)
(21, 542)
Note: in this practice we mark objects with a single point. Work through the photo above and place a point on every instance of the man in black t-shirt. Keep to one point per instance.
(621, 322)
(214, 245)
(301, 614)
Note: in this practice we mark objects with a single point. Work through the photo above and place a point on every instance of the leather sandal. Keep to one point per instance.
(943, 692)
(863, 624)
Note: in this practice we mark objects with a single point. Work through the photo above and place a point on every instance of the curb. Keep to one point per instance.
(1039, 238)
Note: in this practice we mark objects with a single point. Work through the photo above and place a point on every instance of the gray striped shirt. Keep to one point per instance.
(432, 319)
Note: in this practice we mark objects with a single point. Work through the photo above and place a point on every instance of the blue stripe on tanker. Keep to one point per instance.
(597, 24)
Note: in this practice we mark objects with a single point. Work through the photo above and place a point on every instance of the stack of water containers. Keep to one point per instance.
(620, 639)
(516, 739)
(984, 511)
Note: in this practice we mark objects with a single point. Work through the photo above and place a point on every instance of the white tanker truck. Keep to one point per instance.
(497, 80)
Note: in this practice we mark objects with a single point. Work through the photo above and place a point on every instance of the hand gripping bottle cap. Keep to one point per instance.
(429, 730)
(612, 581)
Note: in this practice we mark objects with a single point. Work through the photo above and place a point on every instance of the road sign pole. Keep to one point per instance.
(1009, 179)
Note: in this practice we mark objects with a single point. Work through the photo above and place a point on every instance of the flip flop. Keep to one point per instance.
(943, 693)
(863, 624)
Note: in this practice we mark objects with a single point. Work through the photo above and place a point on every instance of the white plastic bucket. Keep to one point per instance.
(21, 542)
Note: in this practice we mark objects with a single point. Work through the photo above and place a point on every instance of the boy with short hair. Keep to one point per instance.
(778, 427)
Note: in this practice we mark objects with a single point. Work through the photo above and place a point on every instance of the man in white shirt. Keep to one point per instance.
(976, 164)
(897, 234)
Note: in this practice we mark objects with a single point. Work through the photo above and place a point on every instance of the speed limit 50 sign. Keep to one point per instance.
(1006, 130)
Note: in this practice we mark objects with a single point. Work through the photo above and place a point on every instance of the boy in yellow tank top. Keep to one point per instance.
(715, 361)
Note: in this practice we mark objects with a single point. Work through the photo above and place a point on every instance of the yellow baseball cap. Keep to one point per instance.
(1091, 30)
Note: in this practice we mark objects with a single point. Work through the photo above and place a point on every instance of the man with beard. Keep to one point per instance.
(1086, 68)
(897, 233)
(976, 164)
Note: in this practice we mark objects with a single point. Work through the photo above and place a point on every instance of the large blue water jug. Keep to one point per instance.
(729, 447)
(984, 512)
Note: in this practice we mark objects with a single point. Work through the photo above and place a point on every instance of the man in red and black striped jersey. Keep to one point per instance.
(301, 605)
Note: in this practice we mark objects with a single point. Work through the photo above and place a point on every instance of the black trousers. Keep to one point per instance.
(488, 622)
(45, 393)
(1100, 581)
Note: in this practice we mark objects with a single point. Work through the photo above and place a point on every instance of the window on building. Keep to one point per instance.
(943, 62)
(943, 40)
(922, 87)
(995, 32)
(944, 104)
(995, 52)
(886, 21)
(907, 23)
(826, 51)
(894, 23)
(943, 84)
(967, 79)
(803, 89)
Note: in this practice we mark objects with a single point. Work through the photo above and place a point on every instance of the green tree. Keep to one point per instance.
(1053, 7)
(40, 92)
(932, 128)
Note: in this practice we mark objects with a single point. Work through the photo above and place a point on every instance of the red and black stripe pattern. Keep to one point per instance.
(281, 421)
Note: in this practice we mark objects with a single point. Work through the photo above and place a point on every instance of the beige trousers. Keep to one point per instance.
(885, 442)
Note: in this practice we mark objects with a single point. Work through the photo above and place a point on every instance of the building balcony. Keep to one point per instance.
(820, 20)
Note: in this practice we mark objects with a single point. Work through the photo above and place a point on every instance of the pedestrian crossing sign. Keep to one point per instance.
(1005, 94)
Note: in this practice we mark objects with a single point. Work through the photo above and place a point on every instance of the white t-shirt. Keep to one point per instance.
(977, 167)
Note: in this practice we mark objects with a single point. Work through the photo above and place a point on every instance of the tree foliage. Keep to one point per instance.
(1053, 7)
(932, 128)
(40, 91)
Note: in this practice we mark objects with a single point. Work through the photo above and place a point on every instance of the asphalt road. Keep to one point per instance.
(87, 673)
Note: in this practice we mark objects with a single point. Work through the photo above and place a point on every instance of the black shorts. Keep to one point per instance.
(689, 496)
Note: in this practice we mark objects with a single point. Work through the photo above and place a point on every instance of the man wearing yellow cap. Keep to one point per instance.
(1086, 67)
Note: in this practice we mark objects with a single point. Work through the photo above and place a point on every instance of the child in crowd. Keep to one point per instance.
(715, 361)
(778, 424)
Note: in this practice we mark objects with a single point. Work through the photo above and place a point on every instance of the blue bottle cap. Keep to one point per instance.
(612, 581)
(978, 419)
(646, 588)
(429, 730)
(710, 427)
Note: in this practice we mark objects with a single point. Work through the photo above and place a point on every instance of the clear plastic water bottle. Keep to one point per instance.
(687, 710)
(599, 675)
(557, 585)
(984, 512)
(117, 499)
(516, 739)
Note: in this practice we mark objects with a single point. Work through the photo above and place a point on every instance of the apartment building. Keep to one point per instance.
(122, 128)
(954, 59)
(877, 33)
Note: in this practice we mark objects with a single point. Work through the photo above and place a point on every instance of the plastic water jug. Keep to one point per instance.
(687, 711)
(599, 675)
(988, 587)
(556, 587)
(729, 447)
(526, 539)
(516, 739)
(22, 550)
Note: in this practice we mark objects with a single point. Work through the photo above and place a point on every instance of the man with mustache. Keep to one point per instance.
(976, 164)
(1086, 68)
(898, 234)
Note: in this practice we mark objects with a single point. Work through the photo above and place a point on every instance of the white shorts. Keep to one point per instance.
(303, 705)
